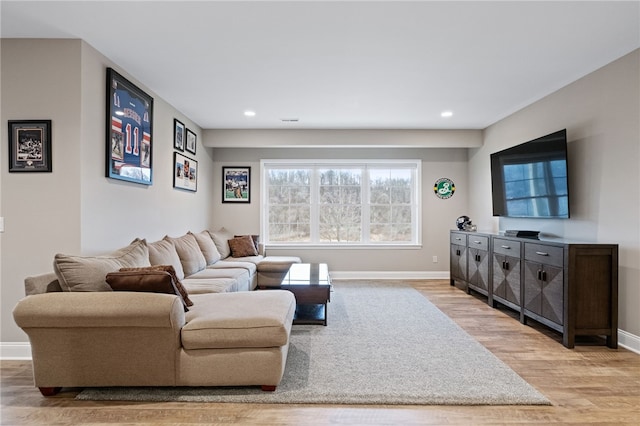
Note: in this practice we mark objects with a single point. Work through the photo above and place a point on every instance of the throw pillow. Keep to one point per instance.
(242, 247)
(171, 271)
(207, 246)
(256, 240)
(220, 239)
(163, 252)
(88, 273)
(145, 281)
(189, 253)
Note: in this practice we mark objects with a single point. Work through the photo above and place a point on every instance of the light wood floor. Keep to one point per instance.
(590, 384)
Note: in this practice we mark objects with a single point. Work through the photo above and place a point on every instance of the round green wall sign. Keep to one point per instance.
(444, 188)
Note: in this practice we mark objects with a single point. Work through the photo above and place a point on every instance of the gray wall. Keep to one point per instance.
(75, 209)
(601, 113)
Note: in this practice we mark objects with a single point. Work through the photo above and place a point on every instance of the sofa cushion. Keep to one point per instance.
(88, 273)
(207, 279)
(215, 321)
(242, 246)
(189, 253)
(248, 263)
(207, 247)
(163, 252)
(220, 239)
(150, 281)
(171, 271)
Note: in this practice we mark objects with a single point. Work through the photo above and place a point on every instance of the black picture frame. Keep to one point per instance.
(185, 172)
(178, 134)
(129, 131)
(30, 146)
(236, 184)
(190, 142)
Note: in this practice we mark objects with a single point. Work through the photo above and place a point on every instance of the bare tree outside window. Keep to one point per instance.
(328, 203)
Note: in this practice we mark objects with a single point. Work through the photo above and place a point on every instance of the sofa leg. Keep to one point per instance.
(49, 391)
(268, 388)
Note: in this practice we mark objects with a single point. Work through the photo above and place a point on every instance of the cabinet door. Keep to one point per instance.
(458, 262)
(512, 279)
(506, 278)
(553, 294)
(479, 268)
(498, 283)
(544, 291)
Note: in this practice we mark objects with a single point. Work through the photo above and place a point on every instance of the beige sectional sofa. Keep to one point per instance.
(194, 324)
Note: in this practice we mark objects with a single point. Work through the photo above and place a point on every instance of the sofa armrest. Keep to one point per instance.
(43, 283)
(100, 309)
(102, 338)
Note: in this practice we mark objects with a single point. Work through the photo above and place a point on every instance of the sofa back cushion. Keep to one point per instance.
(189, 253)
(163, 252)
(207, 247)
(221, 239)
(88, 273)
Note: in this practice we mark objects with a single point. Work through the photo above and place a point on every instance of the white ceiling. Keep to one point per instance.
(343, 65)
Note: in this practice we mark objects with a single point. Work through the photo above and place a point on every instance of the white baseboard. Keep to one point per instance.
(389, 275)
(15, 351)
(629, 341)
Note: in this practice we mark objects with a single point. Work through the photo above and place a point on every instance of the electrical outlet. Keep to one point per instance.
(435, 259)
(1, 224)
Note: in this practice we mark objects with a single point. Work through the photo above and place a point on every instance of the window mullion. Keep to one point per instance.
(315, 200)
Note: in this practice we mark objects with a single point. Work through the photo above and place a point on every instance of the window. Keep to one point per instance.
(341, 203)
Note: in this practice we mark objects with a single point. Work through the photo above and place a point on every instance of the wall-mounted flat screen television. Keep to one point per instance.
(531, 179)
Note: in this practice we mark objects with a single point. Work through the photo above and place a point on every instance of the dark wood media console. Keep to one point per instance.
(569, 287)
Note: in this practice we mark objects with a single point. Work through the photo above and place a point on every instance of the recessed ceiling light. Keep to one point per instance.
(446, 114)
(250, 113)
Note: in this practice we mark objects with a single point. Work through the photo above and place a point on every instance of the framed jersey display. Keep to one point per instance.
(129, 131)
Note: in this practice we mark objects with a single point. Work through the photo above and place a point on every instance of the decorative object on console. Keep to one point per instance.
(178, 135)
(30, 146)
(236, 184)
(129, 131)
(521, 233)
(185, 172)
(464, 224)
(191, 142)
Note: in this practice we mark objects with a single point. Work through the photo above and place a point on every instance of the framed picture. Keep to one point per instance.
(178, 134)
(191, 142)
(129, 131)
(30, 146)
(185, 172)
(236, 186)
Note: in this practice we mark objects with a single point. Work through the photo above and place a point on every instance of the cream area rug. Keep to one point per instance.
(385, 343)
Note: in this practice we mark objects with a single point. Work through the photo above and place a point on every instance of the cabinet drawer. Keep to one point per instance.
(506, 247)
(476, 241)
(548, 255)
(458, 238)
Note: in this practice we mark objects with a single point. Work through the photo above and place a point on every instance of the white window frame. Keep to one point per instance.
(415, 165)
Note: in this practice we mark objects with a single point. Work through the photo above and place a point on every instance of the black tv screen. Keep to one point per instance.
(531, 180)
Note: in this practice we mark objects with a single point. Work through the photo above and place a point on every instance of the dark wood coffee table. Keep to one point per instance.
(310, 283)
